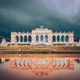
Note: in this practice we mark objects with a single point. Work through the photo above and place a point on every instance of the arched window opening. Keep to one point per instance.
(67, 38)
(41, 38)
(58, 38)
(25, 38)
(62, 38)
(54, 39)
(29, 38)
(21, 38)
(17, 38)
(46, 38)
(37, 38)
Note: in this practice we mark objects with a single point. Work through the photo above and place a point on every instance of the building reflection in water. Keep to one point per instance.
(42, 66)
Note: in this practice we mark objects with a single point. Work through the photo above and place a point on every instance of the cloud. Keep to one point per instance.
(26, 14)
(14, 15)
(23, 10)
(67, 9)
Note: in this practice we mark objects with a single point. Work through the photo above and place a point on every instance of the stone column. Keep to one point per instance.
(39, 38)
(23, 38)
(27, 38)
(55, 38)
(44, 40)
(60, 39)
(13, 37)
(33, 42)
(50, 39)
(71, 38)
(19, 39)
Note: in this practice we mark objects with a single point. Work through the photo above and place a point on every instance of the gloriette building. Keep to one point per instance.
(42, 36)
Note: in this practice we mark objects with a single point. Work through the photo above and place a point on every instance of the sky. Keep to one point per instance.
(25, 15)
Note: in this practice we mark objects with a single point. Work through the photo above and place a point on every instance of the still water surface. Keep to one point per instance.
(16, 69)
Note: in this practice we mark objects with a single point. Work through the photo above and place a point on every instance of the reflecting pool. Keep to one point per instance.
(39, 69)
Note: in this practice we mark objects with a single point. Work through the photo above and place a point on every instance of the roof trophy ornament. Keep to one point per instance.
(42, 27)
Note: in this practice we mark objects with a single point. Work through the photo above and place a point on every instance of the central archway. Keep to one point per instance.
(41, 38)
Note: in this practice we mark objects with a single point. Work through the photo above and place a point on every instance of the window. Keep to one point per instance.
(54, 39)
(21, 38)
(37, 38)
(58, 38)
(46, 38)
(67, 38)
(25, 38)
(41, 38)
(29, 38)
(17, 38)
(62, 38)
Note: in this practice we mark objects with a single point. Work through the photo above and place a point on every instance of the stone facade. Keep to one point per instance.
(42, 36)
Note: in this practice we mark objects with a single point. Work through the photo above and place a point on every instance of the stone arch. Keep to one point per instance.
(25, 38)
(21, 38)
(67, 38)
(54, 38)
(62, 38)
(58, 38)
(46, 38)
(29, 38)
(41, 38)
(17, 38)
(37, 38)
